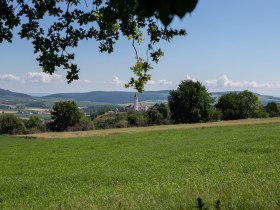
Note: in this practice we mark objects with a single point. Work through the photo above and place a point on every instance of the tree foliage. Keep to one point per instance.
(135, 118)
(163, 110)
(190, 103)
(272, 109)
(33, 122)
(71, 21)
(153, 116)
(65, 114)
(157, 113)
(240, 106)
(11, 124)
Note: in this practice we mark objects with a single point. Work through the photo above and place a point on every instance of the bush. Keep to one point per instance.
(11, 124)
(215, 114)
(105, 124)
(84, 124)
(33, 122)
(121, 124)
(154, 116)
(260, 113)
(272, 109)
(93, 115)
(163, 109)
(65, 114)
(34, 125)
(136, 119)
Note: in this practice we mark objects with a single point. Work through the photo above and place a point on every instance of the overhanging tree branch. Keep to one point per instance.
(105, 23)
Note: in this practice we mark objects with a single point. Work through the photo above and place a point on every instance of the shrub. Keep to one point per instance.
(93, 115)
(65, 114)
(104, 124)
(33, 122)
(272, 109)
(163, 110)
(215, 114)
(154, 116)
(136, 119)
(11, 124)
(121, 124)
(84, 124)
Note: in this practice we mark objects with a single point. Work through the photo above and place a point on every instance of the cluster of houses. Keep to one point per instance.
(31, 112)
(136, 106)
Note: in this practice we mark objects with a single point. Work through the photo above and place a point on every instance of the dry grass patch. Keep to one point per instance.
(8, 111)
(106, 132)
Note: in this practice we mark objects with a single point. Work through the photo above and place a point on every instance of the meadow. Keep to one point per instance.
(155, 169)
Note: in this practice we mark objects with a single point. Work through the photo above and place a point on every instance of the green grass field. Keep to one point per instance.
(166, 169)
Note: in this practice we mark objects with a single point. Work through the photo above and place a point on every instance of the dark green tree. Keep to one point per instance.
(163, 109)
(190, 103)
(71, 21)
(11, 124)
(33, 122)
(229, 106)
(135, 118)
(64, 114)
(272, 109)
(153, 116)
(93, 115)
(250, 105)
(240, 106)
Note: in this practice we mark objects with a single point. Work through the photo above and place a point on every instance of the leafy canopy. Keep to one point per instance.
(11, 124)
(190, 103)
(65, 114)
(240, 106)
(102, 20)
(272, 109)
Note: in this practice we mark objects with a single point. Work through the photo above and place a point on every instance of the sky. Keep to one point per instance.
(231, 45)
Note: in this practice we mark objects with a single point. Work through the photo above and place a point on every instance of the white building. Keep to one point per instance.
(137, 106)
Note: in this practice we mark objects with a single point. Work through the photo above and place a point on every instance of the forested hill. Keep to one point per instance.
(122, 97)
(114, 97)
(5, 93)
(110, 97)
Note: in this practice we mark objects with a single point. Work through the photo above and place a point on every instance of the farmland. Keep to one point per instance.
(160, 168)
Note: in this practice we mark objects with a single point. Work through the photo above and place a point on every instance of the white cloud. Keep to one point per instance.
(33, 77)
(41, 77)
(165, 82)
(87, 81)
(225, 82)
(115, 81)
(160, 82)
(151, 82)
(190, 78)
(10, 78)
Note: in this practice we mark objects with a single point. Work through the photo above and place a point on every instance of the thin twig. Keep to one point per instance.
(133, 45)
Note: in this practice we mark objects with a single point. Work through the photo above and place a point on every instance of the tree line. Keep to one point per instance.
(189, 103)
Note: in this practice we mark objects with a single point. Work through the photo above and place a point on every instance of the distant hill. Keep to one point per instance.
(113, 97)
(100, 97)
(122, 97)
(5, 93)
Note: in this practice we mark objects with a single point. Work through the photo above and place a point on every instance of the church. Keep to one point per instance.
(137, 106)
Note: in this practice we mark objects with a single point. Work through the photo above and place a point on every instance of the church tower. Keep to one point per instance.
(136, 105)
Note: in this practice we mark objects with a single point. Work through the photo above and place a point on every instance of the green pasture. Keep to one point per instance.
(170, 169)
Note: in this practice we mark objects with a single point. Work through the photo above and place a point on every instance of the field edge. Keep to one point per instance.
(106, 132)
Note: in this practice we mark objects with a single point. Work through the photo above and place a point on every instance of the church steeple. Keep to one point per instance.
(136, 105)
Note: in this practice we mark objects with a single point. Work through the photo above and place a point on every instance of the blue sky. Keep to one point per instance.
(231, 45)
